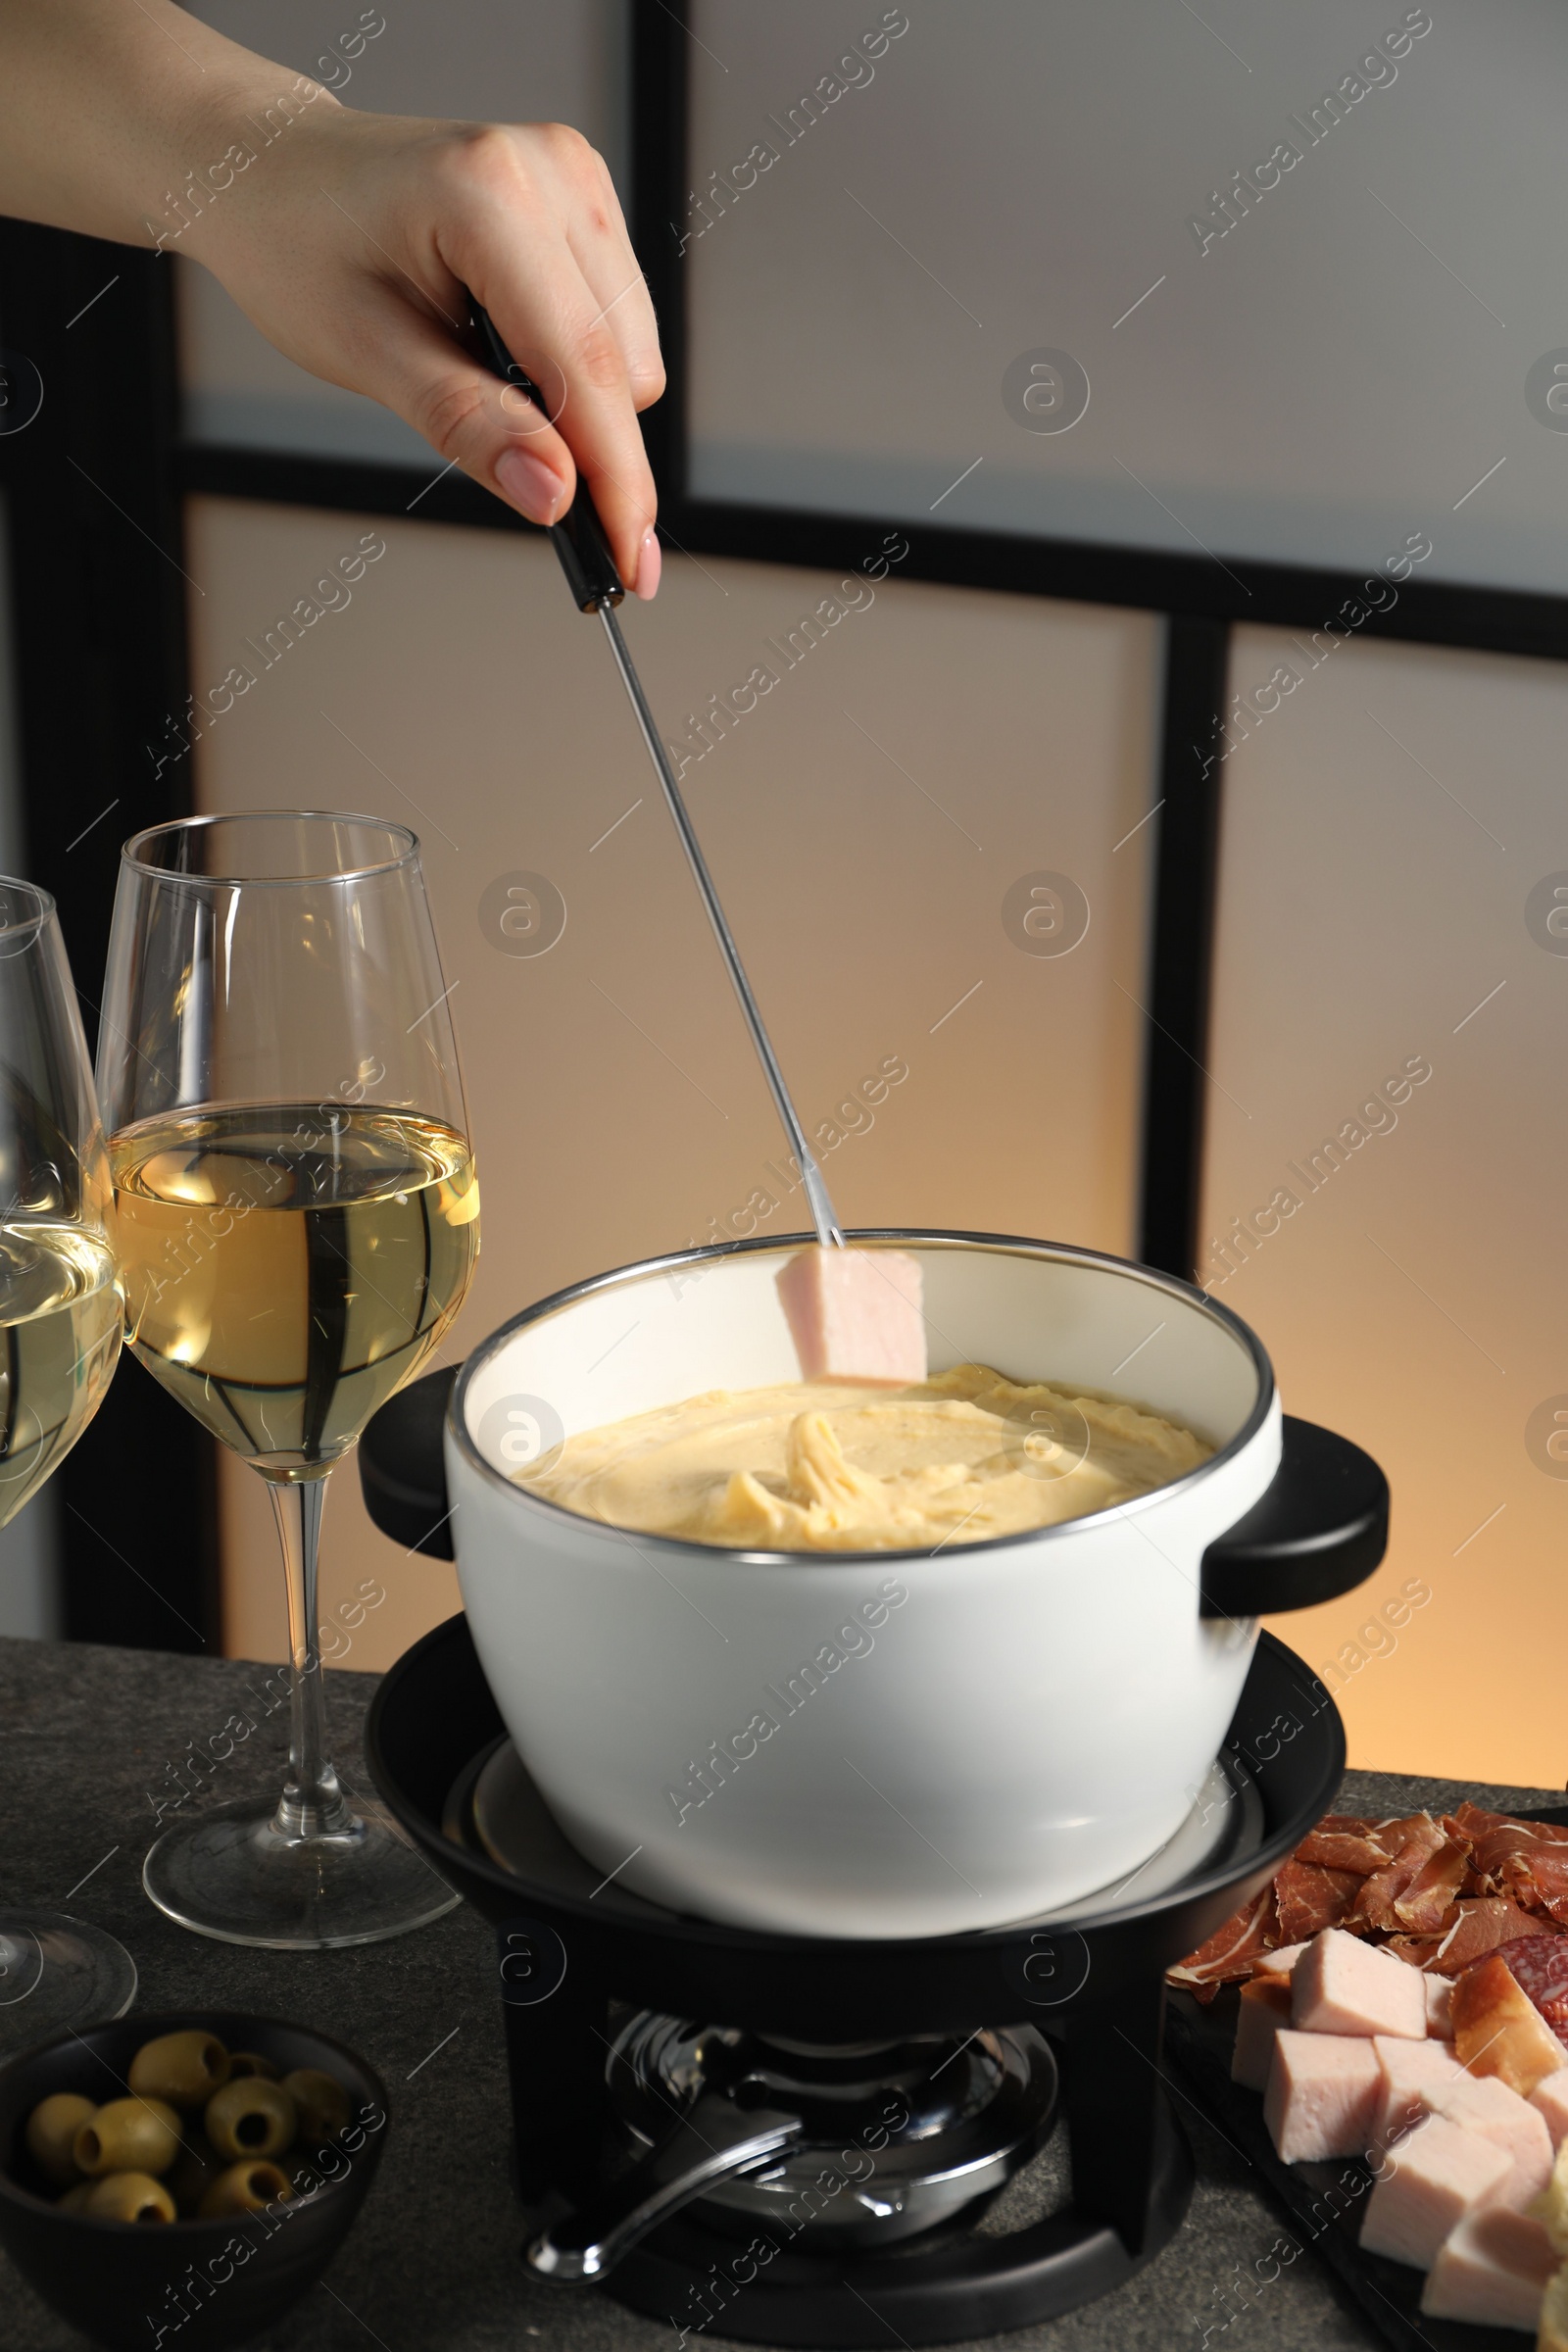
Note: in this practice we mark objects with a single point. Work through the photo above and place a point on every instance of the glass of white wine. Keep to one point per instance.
(60, 1321)
(297, 1223)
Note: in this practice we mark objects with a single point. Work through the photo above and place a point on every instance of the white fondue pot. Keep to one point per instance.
(876, 1745)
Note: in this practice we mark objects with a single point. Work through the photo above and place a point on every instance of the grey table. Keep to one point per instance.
(90, 1738)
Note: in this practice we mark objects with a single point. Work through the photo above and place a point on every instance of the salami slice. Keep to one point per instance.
(1538, 1965)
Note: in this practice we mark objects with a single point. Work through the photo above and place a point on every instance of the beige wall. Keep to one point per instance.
(614, 1106)
(1383, 831)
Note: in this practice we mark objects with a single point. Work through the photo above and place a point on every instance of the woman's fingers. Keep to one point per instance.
(469, 418)
(503, 441)
(574, 179)
(525, 205)
(564, 340)
(596, 234)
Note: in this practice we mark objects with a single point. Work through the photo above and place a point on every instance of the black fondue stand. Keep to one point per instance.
(1093, 1988)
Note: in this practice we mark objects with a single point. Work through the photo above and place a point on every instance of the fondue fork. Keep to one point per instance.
(591, 576)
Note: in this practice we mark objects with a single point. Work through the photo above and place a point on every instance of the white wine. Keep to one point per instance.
(60, 1320)
(286, 1266)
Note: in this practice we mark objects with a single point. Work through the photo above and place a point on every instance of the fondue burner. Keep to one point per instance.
(844, 2155)
(918, 2130)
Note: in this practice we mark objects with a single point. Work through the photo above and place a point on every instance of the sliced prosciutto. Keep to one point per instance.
(1426, 1907)
(1311, 1898)
(1537, 1878)
(1228, 1956)
(1343, 1842)
(1375, 1904)
(1438, 1896)
(1484, 1923)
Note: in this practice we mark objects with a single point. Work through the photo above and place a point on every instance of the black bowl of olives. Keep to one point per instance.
(183, 2179)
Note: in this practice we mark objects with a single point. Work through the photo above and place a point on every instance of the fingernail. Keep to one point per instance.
(530, 483)
(650, 564)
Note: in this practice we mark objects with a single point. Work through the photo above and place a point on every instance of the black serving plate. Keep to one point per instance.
(1325, 2202)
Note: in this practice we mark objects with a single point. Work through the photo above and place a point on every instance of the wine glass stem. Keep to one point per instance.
(312, 1804)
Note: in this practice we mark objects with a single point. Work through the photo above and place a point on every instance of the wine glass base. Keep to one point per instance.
(56, 1974)
(230, 1874)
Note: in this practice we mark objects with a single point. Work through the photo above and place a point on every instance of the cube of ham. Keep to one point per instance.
(1321, 2097)
(1439, 2006)
(1278, 1963)
(1488, 2108)
(1266, 2006)
(855, 1314)
(1428, 2184)
(1550, 2097)
(1414, 2075)
(1491, 2270)
(1342, 1986)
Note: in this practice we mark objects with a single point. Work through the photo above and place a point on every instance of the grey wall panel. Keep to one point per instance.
(1395, 834)
(1330, 372)
(480, 60)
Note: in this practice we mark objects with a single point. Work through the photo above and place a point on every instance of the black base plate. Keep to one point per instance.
(434, 1713)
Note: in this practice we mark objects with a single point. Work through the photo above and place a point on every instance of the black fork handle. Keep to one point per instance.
(578, 538)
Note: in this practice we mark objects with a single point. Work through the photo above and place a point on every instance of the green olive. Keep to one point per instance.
(249, 2064)
(75, 2198)
(198, 2167)
(52, 2128)
(321, 2101)
(244, 2189)
(250, 2117)
(128, 2197)
(185, 2068)
(128, 2135)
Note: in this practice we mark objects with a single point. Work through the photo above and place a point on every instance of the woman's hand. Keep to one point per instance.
(353, 241)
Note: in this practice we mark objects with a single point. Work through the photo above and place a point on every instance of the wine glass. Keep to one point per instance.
(296, 1215)
(60, 1320)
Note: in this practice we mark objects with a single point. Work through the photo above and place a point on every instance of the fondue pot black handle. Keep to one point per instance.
(402, 1471)
(1318, 1530)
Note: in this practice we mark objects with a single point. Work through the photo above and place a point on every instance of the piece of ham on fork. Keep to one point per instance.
(855, 1314)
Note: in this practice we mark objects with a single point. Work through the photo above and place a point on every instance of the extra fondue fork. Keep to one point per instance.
(596, 587)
